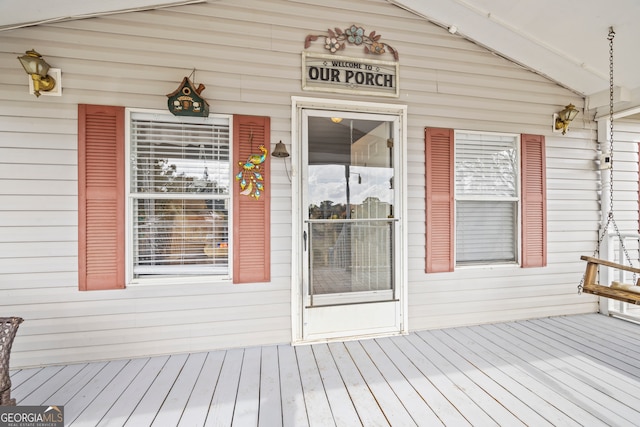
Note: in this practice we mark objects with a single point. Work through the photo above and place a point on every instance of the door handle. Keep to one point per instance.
(304, 238)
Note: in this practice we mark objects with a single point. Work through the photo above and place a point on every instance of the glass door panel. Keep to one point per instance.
(349, 209)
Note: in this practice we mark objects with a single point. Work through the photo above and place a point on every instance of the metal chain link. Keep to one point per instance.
(610, 37)
(610, 219)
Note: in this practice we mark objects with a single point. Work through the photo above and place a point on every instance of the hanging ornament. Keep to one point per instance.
(187, 100)
(250, 177)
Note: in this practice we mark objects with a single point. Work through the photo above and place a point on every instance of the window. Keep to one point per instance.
(179, 195)
(487, 198)
(198, 173)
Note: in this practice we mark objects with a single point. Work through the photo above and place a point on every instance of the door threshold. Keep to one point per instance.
(328, 340)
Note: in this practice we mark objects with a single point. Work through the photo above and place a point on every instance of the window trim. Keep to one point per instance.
(130, 280)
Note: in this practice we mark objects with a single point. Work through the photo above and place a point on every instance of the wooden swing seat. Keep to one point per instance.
(617, 291)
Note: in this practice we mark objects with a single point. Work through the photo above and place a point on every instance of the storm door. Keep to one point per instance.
(350, 226)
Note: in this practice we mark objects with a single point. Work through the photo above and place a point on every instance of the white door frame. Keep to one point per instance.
(297, 104)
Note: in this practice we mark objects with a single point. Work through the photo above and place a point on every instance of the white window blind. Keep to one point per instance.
(180, 184)
(487, 197)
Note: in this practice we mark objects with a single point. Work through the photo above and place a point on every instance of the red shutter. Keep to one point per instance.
(101, 197)
(534, 202)
(252, 217)
(439, 200)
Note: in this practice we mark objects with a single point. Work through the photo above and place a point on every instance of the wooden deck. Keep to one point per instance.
(575, 370)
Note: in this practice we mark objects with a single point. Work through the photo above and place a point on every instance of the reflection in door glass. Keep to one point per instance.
(350, 205)
(351, 256)
(350, 165)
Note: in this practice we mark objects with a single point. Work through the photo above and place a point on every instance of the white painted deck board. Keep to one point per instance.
(621, 384)
(627, 341)
(127, 402)
(294, 411)
(224, 398)
(70, 389)
(555, 403)
(552, 371)
(614, 351)
(504, 389)
(490, 404)
(197, 408)
(410, 398)
(391, 406)
(98, 408)
(248, 399)
(370, 413)
(18, 377)
(318, 408)
(34, 381)
(270, 402)
(608, 396)
(175, 402)
(151, 402)
(48, 388)
(423, 385)
(83, 398)
(562, 382)
(344, 413)
(454, 393)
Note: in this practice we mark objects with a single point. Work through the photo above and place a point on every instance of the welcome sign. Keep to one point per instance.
(330, 73)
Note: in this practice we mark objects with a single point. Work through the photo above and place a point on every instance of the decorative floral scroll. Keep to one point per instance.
(250, 176)
(337, 39)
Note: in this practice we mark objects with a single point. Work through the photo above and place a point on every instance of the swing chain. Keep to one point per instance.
(610, 219)
(610, 37)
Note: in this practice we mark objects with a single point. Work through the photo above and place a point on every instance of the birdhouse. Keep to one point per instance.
(186, 100)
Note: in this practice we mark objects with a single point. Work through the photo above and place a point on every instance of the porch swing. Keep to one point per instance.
(629, 293)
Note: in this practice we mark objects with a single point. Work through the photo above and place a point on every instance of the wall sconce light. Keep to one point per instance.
(38, 69)
(563, 118)
(280, 151)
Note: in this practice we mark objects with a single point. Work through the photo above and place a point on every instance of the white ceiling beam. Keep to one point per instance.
(497, 36)
(601, 99)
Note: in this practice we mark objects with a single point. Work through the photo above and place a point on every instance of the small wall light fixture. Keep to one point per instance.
(280, 151)
(562, 119)
(38, 69)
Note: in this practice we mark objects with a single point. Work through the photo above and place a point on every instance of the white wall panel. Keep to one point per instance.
(248, 55)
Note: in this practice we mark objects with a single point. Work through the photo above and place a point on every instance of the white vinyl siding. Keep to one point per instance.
(487, 197)
(248, 56)
(180, 186)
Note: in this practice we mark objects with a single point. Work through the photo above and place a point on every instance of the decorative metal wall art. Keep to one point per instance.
(337, 39)
(186, 100)
(250, 175)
